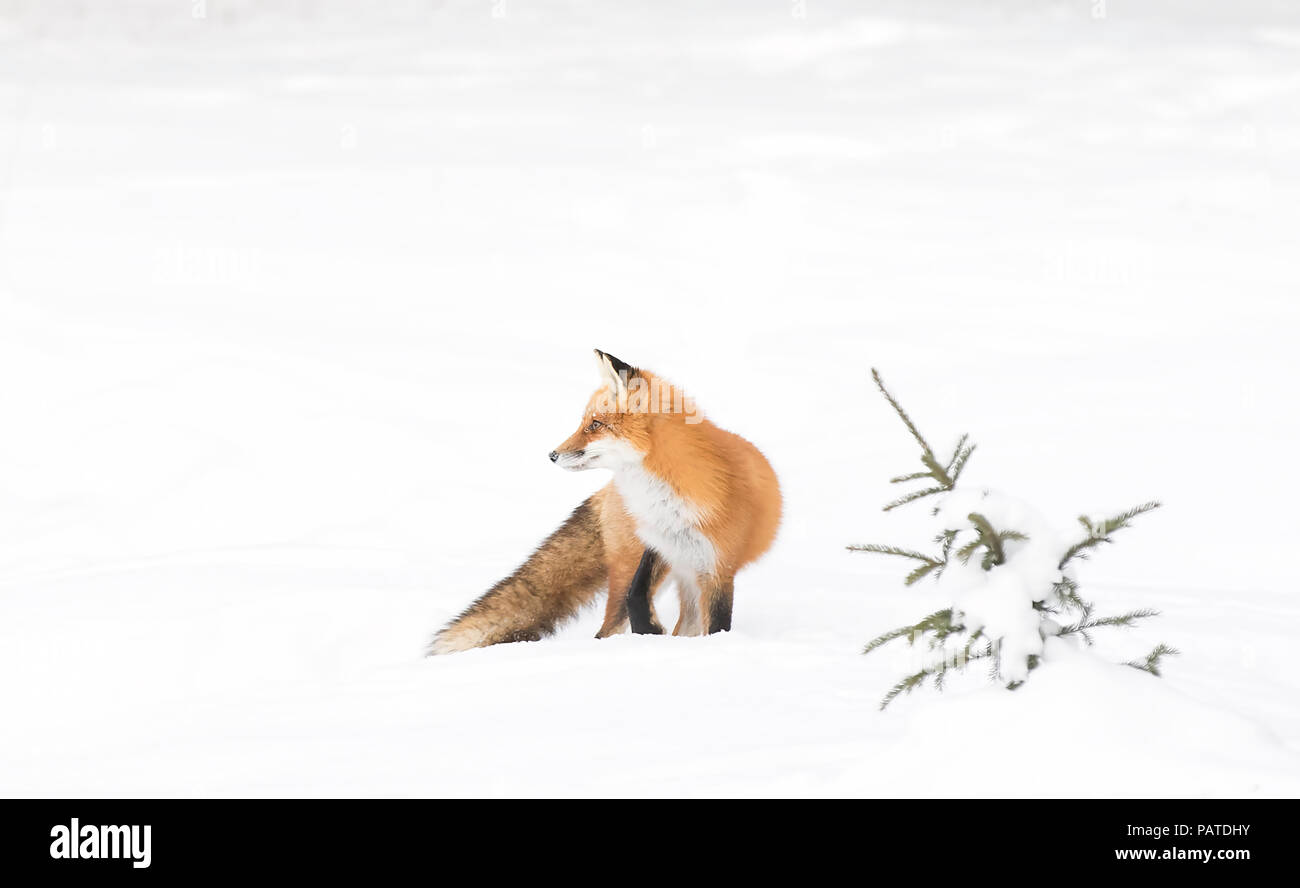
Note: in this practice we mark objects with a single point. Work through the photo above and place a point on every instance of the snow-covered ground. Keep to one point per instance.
(295, 298)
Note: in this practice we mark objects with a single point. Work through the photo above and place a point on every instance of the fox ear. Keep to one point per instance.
(615, 373)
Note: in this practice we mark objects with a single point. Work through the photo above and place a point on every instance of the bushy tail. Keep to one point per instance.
(566, 572)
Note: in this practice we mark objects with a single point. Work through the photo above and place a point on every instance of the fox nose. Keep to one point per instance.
(554, 455)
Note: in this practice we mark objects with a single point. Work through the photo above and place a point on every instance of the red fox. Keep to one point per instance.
(688, 500)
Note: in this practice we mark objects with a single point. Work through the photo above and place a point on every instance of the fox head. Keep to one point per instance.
(622, 417)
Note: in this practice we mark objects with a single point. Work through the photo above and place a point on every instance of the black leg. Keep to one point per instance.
(717, 602)
(638, 597)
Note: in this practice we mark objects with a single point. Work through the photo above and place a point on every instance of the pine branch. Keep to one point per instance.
(956, 453)
(916, 679)
(1122, 519)
(937, 472)
(915, 495)
(886, 638)
(904, 687)
(954, 470)
(923, 569)
(921, 572)
(892, 550)
(1122, 620)
(902, 414)
(990, 539)
(995, 652)
(1067, 592)
(944, 477)
(1152, 662)
(939, 622)
(1100, 533)
(1125, 620)
(945, 540)
(966, 551)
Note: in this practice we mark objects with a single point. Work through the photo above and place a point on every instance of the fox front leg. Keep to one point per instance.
(716, 595)
(639, 613)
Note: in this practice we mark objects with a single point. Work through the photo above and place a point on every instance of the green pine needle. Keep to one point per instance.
(886, 638)
(902, 414)
(915, 476)
(944, 477)
(956, 453)
(954, 470)
(1152, 662)
(906, 686)
(921, 572)
(1100, 533)
(939, 622)
(892, 550)
(1126, 621)
(915, 495)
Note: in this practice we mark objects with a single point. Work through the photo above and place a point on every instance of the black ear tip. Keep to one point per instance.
(622, 367)
(619, 366)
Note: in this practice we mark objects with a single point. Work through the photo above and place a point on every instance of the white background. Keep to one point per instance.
(295, 297)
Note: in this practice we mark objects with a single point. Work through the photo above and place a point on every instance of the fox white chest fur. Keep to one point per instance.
(664, 521)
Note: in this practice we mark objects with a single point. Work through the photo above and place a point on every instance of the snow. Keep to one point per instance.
(295, 299)
(1145, 736)
(999, 602)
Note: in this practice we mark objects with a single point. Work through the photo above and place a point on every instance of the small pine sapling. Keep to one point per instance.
(1012, 581)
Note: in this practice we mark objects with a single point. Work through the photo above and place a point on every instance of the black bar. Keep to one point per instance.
(377, 838)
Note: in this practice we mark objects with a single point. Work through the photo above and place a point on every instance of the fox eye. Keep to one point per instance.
(595, 425)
